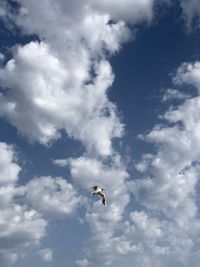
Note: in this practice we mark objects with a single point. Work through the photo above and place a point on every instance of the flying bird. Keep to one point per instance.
(99, 192)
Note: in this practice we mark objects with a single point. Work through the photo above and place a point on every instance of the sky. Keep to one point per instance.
(99, 92)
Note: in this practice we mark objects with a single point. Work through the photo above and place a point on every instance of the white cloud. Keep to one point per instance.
(45, 255)
(54, 102)
(23, 208)
(52, 197)
(2, 57)
(103, 221)
(188, 73)
(133, 11)
(170, 193)
(109, 37)
(10, 257)
(20, 226)
(89, 171)
(63, 84)
(43, 18)
(60, 162)
(8, 169)
(67, 76)
(172, 94)
(170, 177)
(82, 263)
(57, 89)
(191, 12)
(2, 9)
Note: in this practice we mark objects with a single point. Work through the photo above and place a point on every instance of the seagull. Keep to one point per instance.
(98, 191)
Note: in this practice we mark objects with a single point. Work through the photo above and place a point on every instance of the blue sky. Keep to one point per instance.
(99, 92)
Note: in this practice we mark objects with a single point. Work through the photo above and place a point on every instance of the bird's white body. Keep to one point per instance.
(99, 192)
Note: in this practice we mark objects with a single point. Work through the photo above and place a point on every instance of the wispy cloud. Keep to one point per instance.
(82, 263)
(45, 254)
(191, 13)
(172, 94)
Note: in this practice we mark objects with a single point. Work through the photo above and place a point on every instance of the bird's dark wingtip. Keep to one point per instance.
(95, 187)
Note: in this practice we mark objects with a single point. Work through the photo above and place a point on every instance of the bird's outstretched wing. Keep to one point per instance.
(103, 198)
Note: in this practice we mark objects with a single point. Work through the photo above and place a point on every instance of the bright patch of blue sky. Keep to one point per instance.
(107, 93)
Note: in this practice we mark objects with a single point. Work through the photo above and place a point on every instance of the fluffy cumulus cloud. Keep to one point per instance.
(20, 226)
(162, 229)
(171, 176)
(104, 223)
(52, 102)
(23, 223)
(49, 196)
(60, 82)
(64, 78)
(9, 170)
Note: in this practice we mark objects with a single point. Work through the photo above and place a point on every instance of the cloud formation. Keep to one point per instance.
(103, 222)
(63, 85)
(9, 170)
(191, 13)
(171, 176)
(52, 103)
(64, 78)
(82, 263)
(52, 197)
(45, 254)
(172, 94)
(25, 210)
(20, 226)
